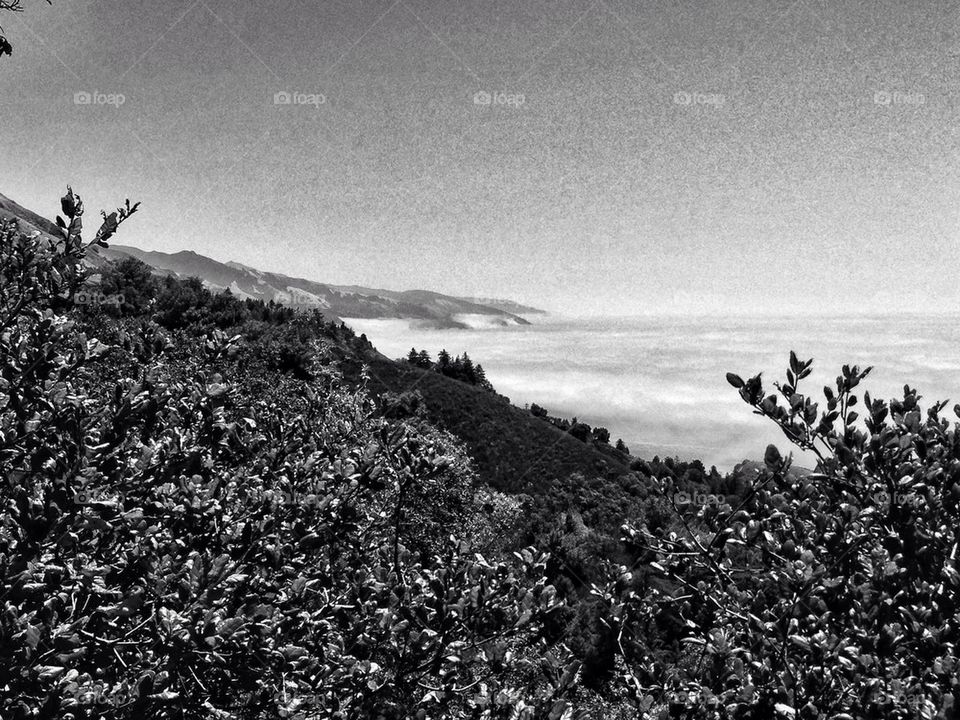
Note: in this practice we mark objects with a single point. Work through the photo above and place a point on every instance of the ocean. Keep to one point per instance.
(659, 382)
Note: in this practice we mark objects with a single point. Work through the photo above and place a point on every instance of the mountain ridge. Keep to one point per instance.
(335, 301)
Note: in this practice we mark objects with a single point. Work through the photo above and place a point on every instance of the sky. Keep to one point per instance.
(591, 157)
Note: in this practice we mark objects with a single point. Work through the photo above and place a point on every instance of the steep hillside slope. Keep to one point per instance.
(513, 450)
(334, 301)
(506, 305)
(31, 222)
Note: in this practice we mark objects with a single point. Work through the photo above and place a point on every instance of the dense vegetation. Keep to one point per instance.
(222, 508)
(462, 368)
(190, 531)
(459, 368)
(580, 430)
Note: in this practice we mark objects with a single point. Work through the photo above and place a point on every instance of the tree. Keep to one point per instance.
(481, 377)
(468, 371)
(413, 356)
(538, 411)
(443, 360)
(423, 360)
(581, 431)
(131, 283)
(601, 435)
(455, 370)
(622, 447)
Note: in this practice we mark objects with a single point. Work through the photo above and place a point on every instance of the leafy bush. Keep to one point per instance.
(831, 594)
(189, 533)
(132, 282)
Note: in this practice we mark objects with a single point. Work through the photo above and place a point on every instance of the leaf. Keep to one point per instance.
(166, 696)
(772, 457)
(735, 380)
(292, 652)
(32, 636)
(50, 672)
(68, 203)
(795, 364)
(228, 627)
(171, 620)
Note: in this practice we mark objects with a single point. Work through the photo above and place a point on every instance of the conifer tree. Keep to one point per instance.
(481, 377)
(469, 373)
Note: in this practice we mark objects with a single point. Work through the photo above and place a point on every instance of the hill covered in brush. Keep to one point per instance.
(220, 507)
(334, 301)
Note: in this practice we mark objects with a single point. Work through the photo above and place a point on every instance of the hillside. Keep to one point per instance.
(243, 526)
(29, 220)
(506, 305)
(335, 302)
(513, 450)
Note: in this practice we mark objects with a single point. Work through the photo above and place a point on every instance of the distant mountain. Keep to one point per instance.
(505, 305)
(334, 301)
(29, 220)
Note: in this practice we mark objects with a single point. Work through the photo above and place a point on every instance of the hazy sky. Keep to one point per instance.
(748, 155)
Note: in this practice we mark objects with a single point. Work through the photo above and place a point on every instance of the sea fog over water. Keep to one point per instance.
(659, 382)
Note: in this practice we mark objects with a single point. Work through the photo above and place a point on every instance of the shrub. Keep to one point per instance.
(191, 534)
(832, 594)
(131, 280)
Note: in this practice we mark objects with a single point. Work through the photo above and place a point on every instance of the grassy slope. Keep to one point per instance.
(513, 450)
